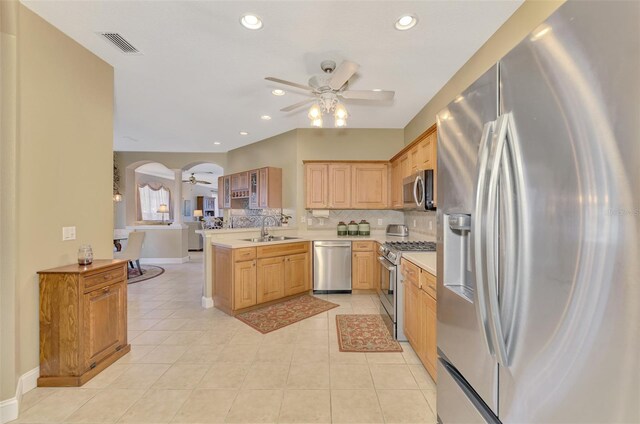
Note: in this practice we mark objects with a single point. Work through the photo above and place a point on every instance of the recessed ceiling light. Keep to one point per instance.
(406, 22)
(265, 117)
(217, 143)
(377, 89)
(244, 133)
(278, 92)
(250, 21)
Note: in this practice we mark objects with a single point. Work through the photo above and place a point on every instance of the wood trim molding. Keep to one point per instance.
(9, 408)
(418, 139)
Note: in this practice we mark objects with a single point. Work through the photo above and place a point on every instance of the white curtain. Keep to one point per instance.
(150, 200)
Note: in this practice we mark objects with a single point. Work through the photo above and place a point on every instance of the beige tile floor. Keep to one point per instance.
(195, 365)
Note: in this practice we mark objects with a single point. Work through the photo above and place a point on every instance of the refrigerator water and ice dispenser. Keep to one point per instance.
(456, 249)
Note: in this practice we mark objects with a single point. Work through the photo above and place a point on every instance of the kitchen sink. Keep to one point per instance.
(269, 238)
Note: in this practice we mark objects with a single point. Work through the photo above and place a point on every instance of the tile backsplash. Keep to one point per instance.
(252, 218)
(425, 222)
(372, 216)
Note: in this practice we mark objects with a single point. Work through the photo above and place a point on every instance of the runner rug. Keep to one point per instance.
(365, 333)
(273, 317)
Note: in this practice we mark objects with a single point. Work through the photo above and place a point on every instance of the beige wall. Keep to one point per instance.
(523, 21)
(64, 166)
(279, 151)
(8, 199)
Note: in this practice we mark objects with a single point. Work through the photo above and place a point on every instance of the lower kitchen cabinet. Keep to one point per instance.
(250, 276)
(244, 284)
(270, 281)
(364, 265)
(296, 274)
(420, 315)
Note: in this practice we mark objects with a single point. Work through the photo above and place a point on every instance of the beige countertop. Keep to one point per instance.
(236, 240)
(425, 260)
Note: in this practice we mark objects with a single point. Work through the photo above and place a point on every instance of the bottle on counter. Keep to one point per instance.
(342, 229)
(353, 228)
(364, 229)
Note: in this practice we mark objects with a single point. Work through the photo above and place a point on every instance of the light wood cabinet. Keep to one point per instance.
(270, 188)
(420, 314)
(296, 274)
(339, 190)
(270, 279)
(396, 185)
(244, 284)
(316, 186)
(362, 270)
(369, 186)
(240, 181)
(247, 277)
(83, 321)
(405, 167)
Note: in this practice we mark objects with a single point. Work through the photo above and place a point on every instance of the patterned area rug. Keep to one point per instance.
(365, 333)
(279, 315)
(148, 272)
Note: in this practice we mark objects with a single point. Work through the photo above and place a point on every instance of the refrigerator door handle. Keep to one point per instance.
(500, 165)
(477, 242)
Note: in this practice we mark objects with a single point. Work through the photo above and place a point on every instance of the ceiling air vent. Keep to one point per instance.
(120, 42)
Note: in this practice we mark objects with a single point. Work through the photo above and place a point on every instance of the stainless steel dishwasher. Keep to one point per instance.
(332, 267)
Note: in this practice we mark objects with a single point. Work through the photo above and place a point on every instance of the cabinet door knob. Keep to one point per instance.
(106, 289)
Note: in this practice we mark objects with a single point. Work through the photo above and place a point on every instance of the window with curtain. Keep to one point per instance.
(149, 200)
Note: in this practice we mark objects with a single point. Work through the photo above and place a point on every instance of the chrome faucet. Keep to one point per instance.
(264, 232)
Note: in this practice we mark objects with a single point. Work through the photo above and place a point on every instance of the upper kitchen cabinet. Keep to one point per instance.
(396, 184)
(316, 178)
(370, 186)
(346, 185)
(262, 189)
(339, 186)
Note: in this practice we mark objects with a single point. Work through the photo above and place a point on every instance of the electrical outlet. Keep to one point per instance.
(379, 221)
(414, 223)
(68, 233)
(321, 221)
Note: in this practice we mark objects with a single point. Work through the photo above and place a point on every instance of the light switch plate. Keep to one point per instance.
(379, 221)
(68, 233)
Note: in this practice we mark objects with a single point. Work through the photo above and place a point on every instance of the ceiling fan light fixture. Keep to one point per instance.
(406, 22)
(251, 21)
(340, 122)
(317, 122)
(278, 92)
(244, 133)
(315, 112)
(217, 143)
(265, 117)
(340, 112)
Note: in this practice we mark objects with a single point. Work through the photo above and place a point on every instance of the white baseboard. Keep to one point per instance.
(207, 302)
(162, 261)
(9, 408)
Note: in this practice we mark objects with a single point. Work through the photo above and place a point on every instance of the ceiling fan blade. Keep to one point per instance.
(292, 84)
(342, 74)
(202, 182)
(297, 105)
(367, 95)
(186, 181)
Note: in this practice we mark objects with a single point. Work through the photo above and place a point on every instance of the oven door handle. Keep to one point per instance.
(386, 264)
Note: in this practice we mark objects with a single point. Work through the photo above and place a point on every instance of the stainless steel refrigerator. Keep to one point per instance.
(538, 219)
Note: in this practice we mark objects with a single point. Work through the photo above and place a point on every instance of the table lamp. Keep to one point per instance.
(163, 208)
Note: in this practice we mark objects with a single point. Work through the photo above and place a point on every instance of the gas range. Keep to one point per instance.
(391, 250)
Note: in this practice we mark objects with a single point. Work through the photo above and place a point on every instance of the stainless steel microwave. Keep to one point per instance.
(418, 190)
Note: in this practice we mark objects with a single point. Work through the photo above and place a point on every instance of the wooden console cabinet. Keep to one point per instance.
(83, 321)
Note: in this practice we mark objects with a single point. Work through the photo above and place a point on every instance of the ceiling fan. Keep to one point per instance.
(334, 83)
(193, 180)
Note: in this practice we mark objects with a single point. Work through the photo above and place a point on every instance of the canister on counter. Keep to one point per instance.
(353, 228)
(364, 229)
(342, 229)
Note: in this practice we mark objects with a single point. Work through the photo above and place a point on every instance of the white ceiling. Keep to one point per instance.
(200, 78)
(204, 172)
